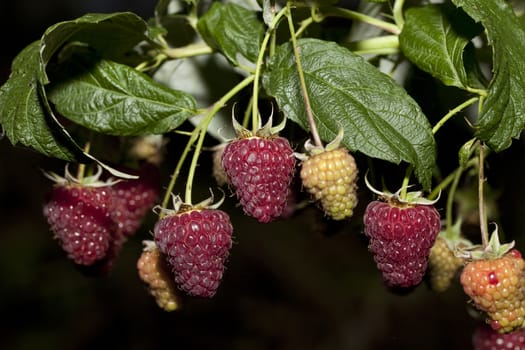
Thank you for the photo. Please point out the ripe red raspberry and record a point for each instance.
(80, 218)
(154, 271)
(330, 176)
(485, 338)
(401, 236)
(133, 199)
(260, 170)
(497, 287)
(197, 243)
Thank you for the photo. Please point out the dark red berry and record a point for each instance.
(260, 170)
(485, 338)
(133, 199)
(400, 239)
(196, 243)
(80, 218)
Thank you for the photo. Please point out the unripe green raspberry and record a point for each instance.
(331, 176)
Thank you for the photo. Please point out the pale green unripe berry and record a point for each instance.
(330, 177)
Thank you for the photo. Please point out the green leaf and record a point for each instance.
(502, 116)
(112, 35)
(115, 99)
(22, 115)
(434, 38)
(378, 117)
(232, 29)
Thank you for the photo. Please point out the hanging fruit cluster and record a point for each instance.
(337, 102)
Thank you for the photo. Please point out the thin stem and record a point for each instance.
(450, 178)
(304, 24)
(176, 172)
(453, 112)
(406, 179)
(450, 199)
(258, 67)
(482, 213)
(194, 161)
(398, 13)
(273, 44)
(304, 90)
(188, 51)
(81, 166)
(387, 44)
(246, 118)
(344, 13)
(203, 125)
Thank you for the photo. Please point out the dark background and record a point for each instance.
(304, 283)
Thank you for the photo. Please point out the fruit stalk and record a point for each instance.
(258, 65)
(202, 125)
(482, 214)
(304, 91)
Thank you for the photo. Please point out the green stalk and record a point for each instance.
(382, 45)
(259, 63)
(481, 196)
(188, 51)
(344, 13)
(198, 133)
(304, 90)
(81, 170)
(406, 179)
(450, 200)
(397, 11)
(453, 112)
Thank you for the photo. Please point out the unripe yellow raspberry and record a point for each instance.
(153, 271)
(443, 265)
(331, 177)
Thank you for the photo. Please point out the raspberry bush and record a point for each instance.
(299, 110)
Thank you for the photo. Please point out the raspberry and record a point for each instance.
(133, 199)
(80, 218)
(401, 236)
(497, 287)
(218, 171)
(330, 176)
(153, 271)
(485, 338)
(197, 243)
(260, 170)
(443, 265)
(104, 266)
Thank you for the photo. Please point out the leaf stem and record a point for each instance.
(482, 214)
(384, 45)
(258, 66)
(397, 11)
(321, 13)
(304, 90)
(453, 112)
(188, 51)
(201, 128)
